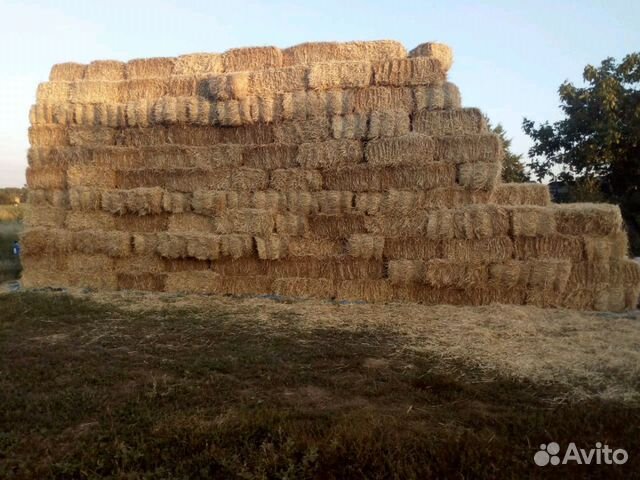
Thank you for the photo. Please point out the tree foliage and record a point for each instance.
(512, 167)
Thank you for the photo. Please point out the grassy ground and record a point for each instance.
(9, 231)
(169, 386)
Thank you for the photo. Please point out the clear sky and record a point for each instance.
(510, 56)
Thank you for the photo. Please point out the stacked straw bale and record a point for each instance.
(326, 170)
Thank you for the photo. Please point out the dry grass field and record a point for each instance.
(141, 385)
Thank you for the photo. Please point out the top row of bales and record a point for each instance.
(246, 59)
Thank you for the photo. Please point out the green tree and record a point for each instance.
(597, 145)
(512, 167)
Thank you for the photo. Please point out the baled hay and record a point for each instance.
(150, 67)
(365, 246)
(44, 216)
(48, 136)
(448, 273)
(480, 221)
(250, 179)
(438, 51)
(97, 91)
(363, 178)
(141, 223)
(245, 220)
(89, 137)
(148, 282)
(548, 246)
(625, 271)
(144, 245)
(333, 202)
(251, 58)
(298, 202)
(53, 262)
(590, 274)
(449, 122)
(98, 263)
(604, 249)
(305, 287)
(315, 130)
(588, 218)
(44, 277)
(368, 203)
(370, 99)
(254, 285)
(202, 282)
(176, 202)
(496, 249)
(179, 179)
(139, 263)
(114, 244)
(331, 154)
(139, 201)
(91, 280)
(53, 198)
(203, 247)
(310, 247)
(412, 248)
(521, 194)
(343, 74)
(91, 176)
(45, 240)
(336, 226)
(534, 274)
(430, 97)
(270, 157)
(479, 176)
(105, 70)
(419, 149)
(89, 220)
(374, 291)
(199, 64)
(399, 225)
(212, 202)
(409, 71)
(316, 52)
(46, 179)
(339, 268)
(532, 221)
(172, 245)
(291, 224)
(271, 247)
(510, 274)
(377, 124)
(262, 83)
(85, 199)
(54, 92)
(269, 200)
(67, 72)
(296, 179)
(190, 222)
(404, 202)
(236, 246)
(403, 272)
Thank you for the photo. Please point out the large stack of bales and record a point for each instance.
(329, 170)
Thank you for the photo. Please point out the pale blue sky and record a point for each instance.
(510, 57)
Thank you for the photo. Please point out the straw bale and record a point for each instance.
(363, 178)
(532, 221)
(251, 58)
(144, 245)
(271, 247)
(47, 178)
(48, 136)
(172, 245)
(339, 74)
(315, 130)
(179, 179)
(374, 291)
(449, 122)
(114, 244)
(176, 202)
(298, 202)
(377, 124)
(270, 157)
(479, 176)
(368, 203)
(249, 179)
(430, 97)
(139, 113)
(269, 200)
(54, 92)
(85, 198)
(185, 265)
(52, 262)
(236, 246)
(191, 222)
(453, 273)
(271, 81)
(202, 282)
(521, 194)
(412, 248)
(91, 136)
(336, 226)
(105, 70)
(331, 154)
(150, 282)
(96, 91)
(91, 280)
(548, 246)
(332, 202)
(67, 72)
(40, 114)
(315, 52)
(351, 126)
(310, 247)
(147, 262)
(480, 221)
(625, 271)
(53, 198)
(409, 71)
(90, 176)
(588, 218)
(438, 51)
(44, 216)
(550, 274)
(496, 249)
(404, 202)
(245, 220)
(139, 201)
(203, 247)
(291, 224)
(245, 285)
(150, 67)
(371, 99)
(397, 225)
(402, 272)
(510, 274)
(418, 149)
(89, 220)
(36, 240)
(604, 249)
(365, 246)
(305, 287)
(199, 64)
(295, 179)
(590, 273)
(138, 223)
(98, 263)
